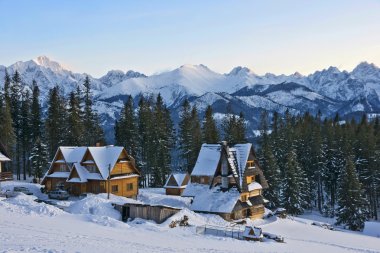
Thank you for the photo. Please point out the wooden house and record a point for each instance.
(176, 183)
(93, 170)
(4, 175)
(228, 181)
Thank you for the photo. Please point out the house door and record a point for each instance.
(125, 213)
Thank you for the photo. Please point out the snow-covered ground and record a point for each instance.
(92, 225)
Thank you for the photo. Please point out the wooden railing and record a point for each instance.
(5, 176)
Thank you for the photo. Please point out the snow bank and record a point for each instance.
(372, 228)
(33, 188)
(197, 219)
(95, 205)
(25, 204)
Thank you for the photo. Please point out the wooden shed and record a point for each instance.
(176, 183)
(156, 213)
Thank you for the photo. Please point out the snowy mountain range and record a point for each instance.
(329, 90)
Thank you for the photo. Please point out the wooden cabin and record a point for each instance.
(228, 181)
(4, 175)
(176, 183)
(93, 170)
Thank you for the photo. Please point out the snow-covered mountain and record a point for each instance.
(329, 90)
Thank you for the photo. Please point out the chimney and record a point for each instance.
(224, 169)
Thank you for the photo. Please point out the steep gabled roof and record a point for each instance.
(83, 173)
(73, 154)
(104, 157)
(178, 180)
(4, 158)
(208, 160)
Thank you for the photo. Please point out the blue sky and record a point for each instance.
(280, 36)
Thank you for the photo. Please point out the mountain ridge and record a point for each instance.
(329, 90)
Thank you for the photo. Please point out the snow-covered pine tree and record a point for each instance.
(25, 132)
(39, 159)
(294, 190)
(162, 141)
(55, 122)
(352, 206)
(210, 133)
(184, 136)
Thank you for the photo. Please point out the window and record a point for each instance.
(62, 167)
(244, 198)
(250, 179)
(91, 168)
(114, 188)
(250, 163)
(129, 186)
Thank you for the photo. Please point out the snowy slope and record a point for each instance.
(92, 225)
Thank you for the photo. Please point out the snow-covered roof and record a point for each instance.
(3, 158)
(194, 189)
(59, 174)
(84, 174)
(254, 186)
(242, 154)
(104, 157)
(215, 201)
(73, 154)
(208, 160)
(179, 178)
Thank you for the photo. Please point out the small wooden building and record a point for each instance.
(4, 175)
(157, 213)
(176, 183)
(93, 170)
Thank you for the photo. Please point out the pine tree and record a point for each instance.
(185, 135)
(7, 133)
(55, 122)
(210, 133)
(162, 141)
(352, 206)
(74, 128)
(293, 192)
(145, 140)
(39, 159)
(36, 120)
(15, 106)
(25, 132)
(93, 132)
(127, 128)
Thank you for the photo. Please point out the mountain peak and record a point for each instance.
(239, 70)
(44, 61)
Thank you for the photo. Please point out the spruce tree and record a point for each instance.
(36, 120)
(75, 131)
(293, 192)
(39, 159)
(352, 206)
(7, 133)
(25, 133)
(210, 133)
(127, 128)
(185, 135)
(15, 102)
(55, 122)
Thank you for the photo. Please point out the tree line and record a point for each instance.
(327, 164)
(31, 138)
(148, 133)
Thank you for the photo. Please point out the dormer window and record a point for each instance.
(62, 167)
(91, 168)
